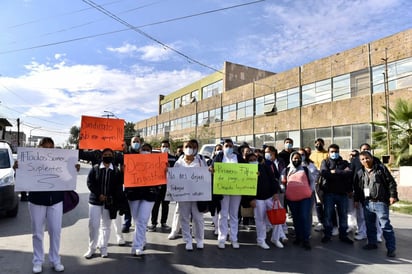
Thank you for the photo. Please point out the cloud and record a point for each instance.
(149, 53)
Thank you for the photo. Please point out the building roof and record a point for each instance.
(5, 123)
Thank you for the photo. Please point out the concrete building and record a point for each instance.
(335, 98)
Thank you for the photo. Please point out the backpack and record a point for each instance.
(295, 190)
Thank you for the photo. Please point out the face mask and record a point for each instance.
(334, 155)
(188, 151)
(164, 149)
(108, 159)
(288, 146)
(296, 163)
(319, 147)
(268, 156)
(253, 162)
(228, 151)
(144, 152)
(135, 146)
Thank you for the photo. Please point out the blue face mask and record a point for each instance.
(268, 156)
(228, 151)
(288, 146)
(135, 146)
(334, 155)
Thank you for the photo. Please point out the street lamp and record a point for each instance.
(109, 114)
(30, 138)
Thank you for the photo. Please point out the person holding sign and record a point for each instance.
(105, 184)
(266, 195)
(230, 203)
(141, 201)
(189, 209)
(46, 207)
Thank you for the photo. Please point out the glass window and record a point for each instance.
(229, 112)
(361, 134)
(342, 137)
(186, 99)
(308, 94)
(195, 94)
(293, 98)
(177, 103)
(316, 93)
(262, 101)
(341, 87)
(282, 100)
(308, 137)
(212, 89)
(244, 109)
(359, 82)
(166, 107)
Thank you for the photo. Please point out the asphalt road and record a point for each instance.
(170, 256)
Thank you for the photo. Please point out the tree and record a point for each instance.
(129, 132)
(74, 135)
(400, 132)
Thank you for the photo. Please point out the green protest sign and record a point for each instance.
(235, 179)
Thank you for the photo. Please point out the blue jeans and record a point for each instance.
(301, 215)
(330, 200)
(380, 210)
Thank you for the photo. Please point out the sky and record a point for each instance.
(62, 59)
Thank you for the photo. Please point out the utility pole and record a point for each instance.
(18, 132)
(386, 84)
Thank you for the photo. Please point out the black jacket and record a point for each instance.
(46, 198)
(381, 184)
(339, 182)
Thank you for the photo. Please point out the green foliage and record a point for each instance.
(74, 135)
(400, 128)
(402, 207)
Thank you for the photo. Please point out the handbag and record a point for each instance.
(276, 216)
(70, 200)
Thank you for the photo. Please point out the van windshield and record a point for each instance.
(4, 158)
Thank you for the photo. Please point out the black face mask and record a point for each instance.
(319, 147)
(296, 163)
(108, 160)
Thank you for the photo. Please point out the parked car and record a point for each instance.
(9, 201)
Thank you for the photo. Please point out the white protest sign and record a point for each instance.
(189, 184)
(46, 169)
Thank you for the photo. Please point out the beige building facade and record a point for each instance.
(335, 98)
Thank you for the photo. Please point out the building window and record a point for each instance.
(186, 99)
(261, 102)
(316, 93)
(212, 89)
(245, 109)
(178, 103)
(166, 107)
(361, 134)
(359, 82)
(342, 137)
(194, 95)
(229, 112)
(341, 87)
(399, 75)
(282, 100)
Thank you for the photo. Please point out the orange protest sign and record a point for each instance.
(100, 133)
(145, 169)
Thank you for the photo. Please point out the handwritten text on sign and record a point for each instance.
(188, 184)
(145, 169)
(100, 133)
(235, 179)
(46, 169)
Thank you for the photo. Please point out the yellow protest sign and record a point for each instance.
(235, 179)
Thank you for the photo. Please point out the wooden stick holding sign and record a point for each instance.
(188, 184)
(46, 169)
(145, 169)
(235, 179)
(101, 133)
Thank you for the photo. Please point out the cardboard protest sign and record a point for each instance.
(46, 169)
(100, 133)
(145, 169)
(235, 179)
(189, 184)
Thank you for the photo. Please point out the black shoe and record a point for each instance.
(391, 254)
(346, 240)
(370, 246)
(125, 229)
(165, 226)
(306, 245)
(325, 239)
(151, 228)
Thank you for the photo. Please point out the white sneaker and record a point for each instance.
(58, 267)
(359, 237)
(138, 252)
(263, 245)
(121, 242)
(235, 245)
(278, 244)
(172, 236)
(89, 254)
(199, 245)
(379, 239)
(221, 244)
(103, 252)
(189, 246)
(318, 227)
(37, 268)
(335, 231)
